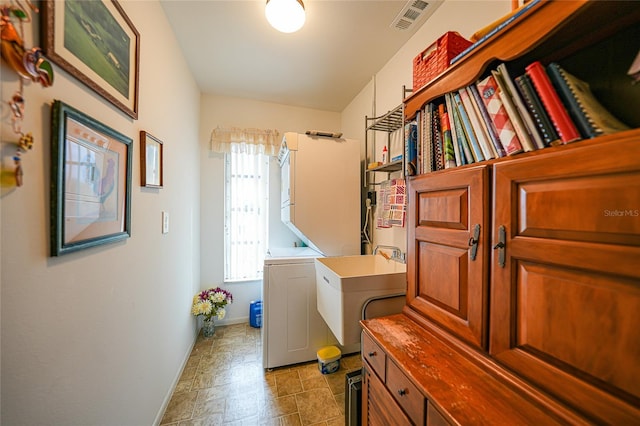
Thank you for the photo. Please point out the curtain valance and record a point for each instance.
(267, 141)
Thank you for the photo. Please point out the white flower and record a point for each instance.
(221, 313)
(218, 297)
(203, 307)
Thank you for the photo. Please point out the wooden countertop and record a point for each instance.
(465, 389)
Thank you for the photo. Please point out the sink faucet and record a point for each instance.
(396, 253)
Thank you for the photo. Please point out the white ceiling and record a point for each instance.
(232, 51)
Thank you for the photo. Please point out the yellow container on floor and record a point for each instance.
(329, 359)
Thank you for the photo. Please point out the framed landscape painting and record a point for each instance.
(90, 182)
(96, 43)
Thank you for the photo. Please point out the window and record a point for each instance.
(246, 212)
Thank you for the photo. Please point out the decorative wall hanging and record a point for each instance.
(151, 159)
(96, 43)
(90, 182)
(25, 142)
(29, 64)
(393, 194)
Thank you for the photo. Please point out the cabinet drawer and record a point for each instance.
(382, 410)
(407, 395)
(434, 418)
(372, 353)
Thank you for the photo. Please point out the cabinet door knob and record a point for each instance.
(473, 242)
(402, 392)
(501, 245)
(372, 354)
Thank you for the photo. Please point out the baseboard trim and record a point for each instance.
(233, 321)
(176, 379)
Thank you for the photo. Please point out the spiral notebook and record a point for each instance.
(589, 115)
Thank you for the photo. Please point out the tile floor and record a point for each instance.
(224, 383)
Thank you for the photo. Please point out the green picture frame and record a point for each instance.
(90, 182)
(97, 43)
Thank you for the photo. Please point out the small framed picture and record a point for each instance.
(90, 182)
(150, 160)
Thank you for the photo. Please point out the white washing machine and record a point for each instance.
(292, 328)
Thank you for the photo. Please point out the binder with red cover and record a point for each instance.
(552, 103)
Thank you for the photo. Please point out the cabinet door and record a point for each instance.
(447, 269)
(564, 307)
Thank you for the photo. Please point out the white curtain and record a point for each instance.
(246, 211)
(267, 141)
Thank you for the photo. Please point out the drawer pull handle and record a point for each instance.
(372, 354)
(402, 392)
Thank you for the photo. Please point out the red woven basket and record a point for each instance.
(435, 58)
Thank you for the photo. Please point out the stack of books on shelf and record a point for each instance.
(502, 115)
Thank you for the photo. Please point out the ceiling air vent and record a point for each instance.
(412, 12)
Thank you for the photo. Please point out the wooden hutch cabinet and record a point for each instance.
(523, 273)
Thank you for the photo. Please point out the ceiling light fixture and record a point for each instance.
(286, 16)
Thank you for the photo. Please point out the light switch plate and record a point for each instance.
(165, 222)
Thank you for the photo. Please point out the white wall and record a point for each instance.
(466, 17)
(99, 337)
(235, 112)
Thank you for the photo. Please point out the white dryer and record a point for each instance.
(292, 328)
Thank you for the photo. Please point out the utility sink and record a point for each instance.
(345, 283)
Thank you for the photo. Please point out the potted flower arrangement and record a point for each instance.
(210, 303)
